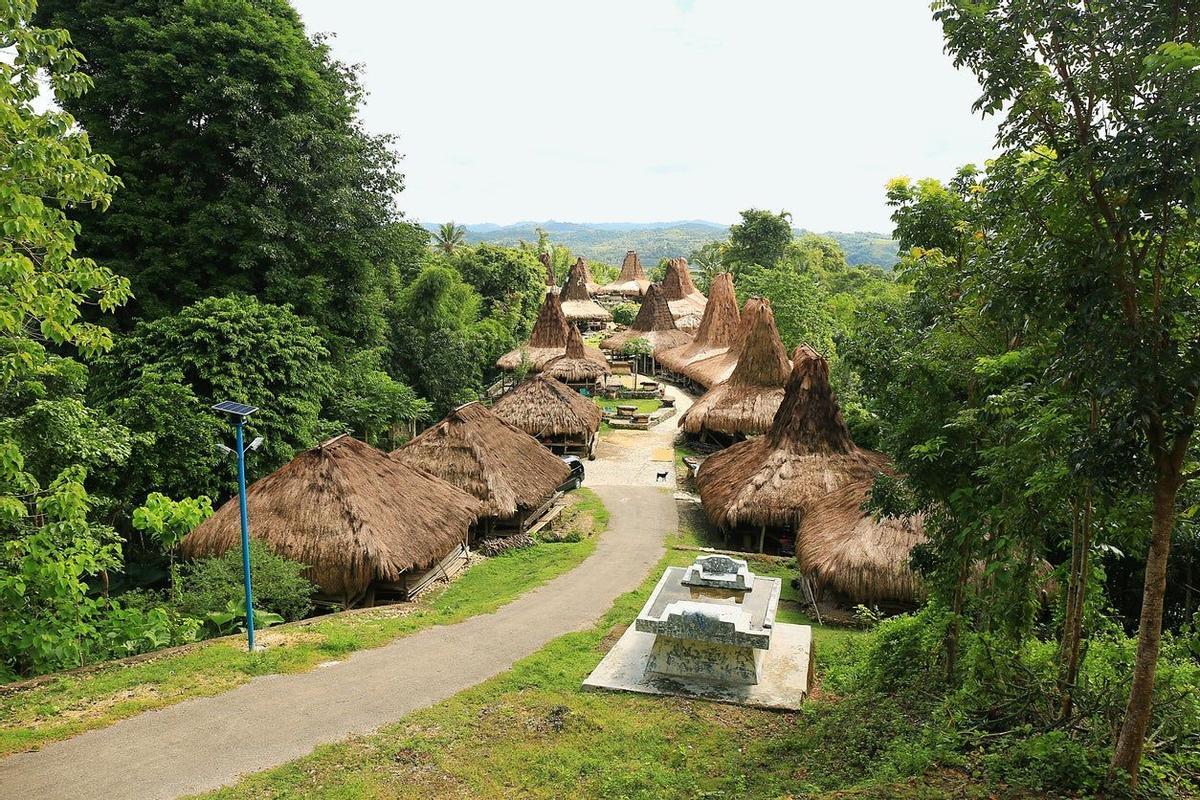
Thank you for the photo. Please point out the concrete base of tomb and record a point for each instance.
(784, 674)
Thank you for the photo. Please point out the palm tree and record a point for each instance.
(708, 260)
(449, 237)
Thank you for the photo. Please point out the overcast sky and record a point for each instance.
(655, 110)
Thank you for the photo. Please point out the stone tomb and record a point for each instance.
(709, 631)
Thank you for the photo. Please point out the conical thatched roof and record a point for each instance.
(867, 560)
(542, 406)
(578, 364)
(547, 340)
(653, 323)
(551, 281)
(577, 303)
(682, 295)
(632, 282)
(717, 330)
(488, 458)
(746, 403)
(807, 453)
(349, 512)
(712, 370)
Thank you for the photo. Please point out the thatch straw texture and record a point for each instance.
(577, 303)
(710, 371)
(544, 407)
(547, 340)
(551, 281)
(349, 512)
(579, 364)
(716, 332)
(653, 323)
(865, 559)
(806, 454)
(473, 449)
(684, 299)
(746, 403)
(632, 282)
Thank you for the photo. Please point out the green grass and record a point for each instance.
(73, 704)
(533, 733)
(646, 406)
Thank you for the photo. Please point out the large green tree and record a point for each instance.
(761, 239)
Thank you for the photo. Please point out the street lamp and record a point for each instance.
(239, 412)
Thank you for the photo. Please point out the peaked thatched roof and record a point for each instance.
(632, 282)
(865, 559)
(488, 458)
(349, 512)
(653, 323)
(717, 330)
(712, 370)
(579, 363)
(746, 403)
(682, 295)
(577, 303)
(547, 340)
(806, 454)
(551, 281)
(543, 406)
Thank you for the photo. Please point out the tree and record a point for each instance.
(798, 303)
(449, 237)
(708, 261)
(245, 166)
(1100, 150)
(505, 277)
(759, 239)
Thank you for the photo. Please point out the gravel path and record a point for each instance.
(628, 458)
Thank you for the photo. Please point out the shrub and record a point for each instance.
(623, 313)
(280, 585)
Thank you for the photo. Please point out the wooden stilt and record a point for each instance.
(762, 536)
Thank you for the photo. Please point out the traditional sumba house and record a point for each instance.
(580, 367)
(364, 524)
(745, 404)
(760, 490)
(547, 340)
(653, 323)
(632, 282)
(553, 413)
(577, 303)
(503, 466)
(551, 281)
(708, 372)
(685, 300)
(717, 330)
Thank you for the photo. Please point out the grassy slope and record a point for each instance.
(77, 703)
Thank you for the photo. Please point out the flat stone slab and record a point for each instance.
(784, 679)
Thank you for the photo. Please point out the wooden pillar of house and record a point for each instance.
(762, 537)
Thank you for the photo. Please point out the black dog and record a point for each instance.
(660, 476)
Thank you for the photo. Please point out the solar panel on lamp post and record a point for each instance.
(239, 412)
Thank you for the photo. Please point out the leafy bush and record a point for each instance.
(624, 313)
(211, 584)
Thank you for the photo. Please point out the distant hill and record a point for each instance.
(608, 241)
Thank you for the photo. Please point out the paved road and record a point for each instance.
(206, 743)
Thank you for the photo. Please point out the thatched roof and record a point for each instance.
(712, 370)
(551, 281)
(682, 295)
(547, 340)
(806, 454)
(542, 406)
(746, 403)
(579, 363)
(349, 512)
(867, 560)
(577, 303)
(632, 282)
(653, 323)
(716, 332)
(488, 458)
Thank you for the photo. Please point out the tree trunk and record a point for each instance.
(1081, 543)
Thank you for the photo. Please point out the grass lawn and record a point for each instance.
(533, 733)
(73, 704)
(646, 406)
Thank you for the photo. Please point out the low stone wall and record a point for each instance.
(627, 423)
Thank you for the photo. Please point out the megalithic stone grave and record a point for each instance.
(709, 631)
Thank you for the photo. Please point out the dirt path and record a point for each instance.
(635, 458)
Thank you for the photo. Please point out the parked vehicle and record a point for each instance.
(576, 479)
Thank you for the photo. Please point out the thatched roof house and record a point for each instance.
(553, 413)
(866, 560)
(551, 281)
(710, 371)
(632, 282)
(547, 340)
(653, 323)
(577, 302)
(717, 330)
(745, 404)
(685, 300)
(349, 512)
(774, 479)
(579, 365)
(488, 458)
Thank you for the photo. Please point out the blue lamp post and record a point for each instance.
(239, 412)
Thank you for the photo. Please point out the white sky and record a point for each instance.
(653, 110)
